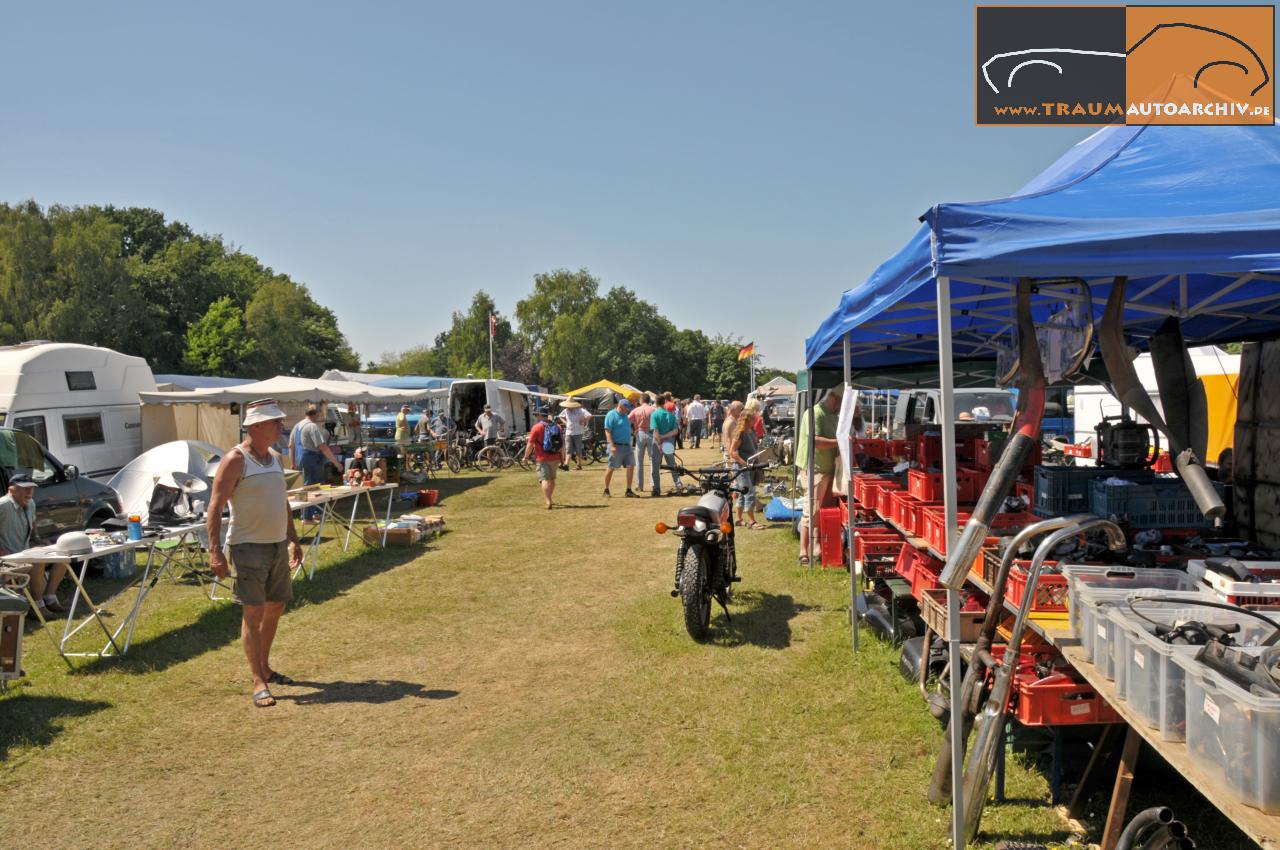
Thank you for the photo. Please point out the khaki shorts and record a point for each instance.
(547, 470)
(261, 573)
(821, 492)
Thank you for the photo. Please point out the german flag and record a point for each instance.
(746, 351)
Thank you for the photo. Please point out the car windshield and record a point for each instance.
(980, 407)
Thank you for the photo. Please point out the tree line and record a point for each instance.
(127, 279)
(567, 334)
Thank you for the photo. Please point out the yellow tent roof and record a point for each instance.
(603, 384)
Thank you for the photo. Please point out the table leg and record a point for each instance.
(1120, 795)
(143, 590)
(351, 521)
(95, 615)
(386, 522)
(325, 511)
(1093, 772)
(44, 625)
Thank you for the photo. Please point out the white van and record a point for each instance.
(80, 402)
(988, 405)
(508, 399)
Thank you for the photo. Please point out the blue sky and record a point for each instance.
(738, 164)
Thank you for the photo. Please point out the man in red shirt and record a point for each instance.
(644, 440)
(548, 461)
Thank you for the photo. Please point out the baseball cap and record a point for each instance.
(262, 410)
(625, 402)
(21, 479)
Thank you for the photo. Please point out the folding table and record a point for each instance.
(327, 501)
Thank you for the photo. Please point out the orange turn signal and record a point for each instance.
(661, 528)
(726, 527)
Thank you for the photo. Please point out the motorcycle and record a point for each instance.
(706, 563)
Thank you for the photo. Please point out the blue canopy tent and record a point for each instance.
(1191, 215)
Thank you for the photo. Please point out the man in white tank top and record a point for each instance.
(261, 538)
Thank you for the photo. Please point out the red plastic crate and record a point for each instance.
(1050, 594)
(924, 573)
(912, 515)
(899, 449)
(884, 500)
(1163, 463)
(902, 506)
(830, 530)
(875, 543)
(906, 559)
(871, 447)
(925, 486)
(865, 490)
(1060, 700)
(1084, 449)
(934, 523)
(969, 483)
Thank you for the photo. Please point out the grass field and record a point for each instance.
(525, 681)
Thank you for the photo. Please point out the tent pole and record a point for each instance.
(854, 574)
(946, 381)
(808, 493)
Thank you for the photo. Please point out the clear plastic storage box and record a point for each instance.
(1154, 686)
(1081, 577)
(1233, 734)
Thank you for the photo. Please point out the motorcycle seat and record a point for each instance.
(703, 513)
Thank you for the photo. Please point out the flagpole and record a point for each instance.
(753, 367)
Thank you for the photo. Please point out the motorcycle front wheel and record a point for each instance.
(694, 596)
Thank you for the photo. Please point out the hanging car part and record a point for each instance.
(1129, 391)
(1024, 436)
(1124, 443)
(1182, 396)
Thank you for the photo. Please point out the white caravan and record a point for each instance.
(80, 402)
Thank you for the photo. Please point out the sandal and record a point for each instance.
(757, 526)
(263, 699)
(278, 678)
(740, 524)
(803, 560)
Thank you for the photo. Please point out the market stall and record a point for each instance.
(1165, 223)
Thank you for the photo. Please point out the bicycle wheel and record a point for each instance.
(452, 461)
(492, 459)
(598, 452)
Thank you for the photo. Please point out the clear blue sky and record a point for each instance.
(738, 164)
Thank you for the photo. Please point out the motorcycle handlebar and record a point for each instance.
(722, 470)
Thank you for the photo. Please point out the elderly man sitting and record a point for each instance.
(17, 532)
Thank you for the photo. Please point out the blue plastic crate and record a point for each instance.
(1164, 503)
(1065, 490)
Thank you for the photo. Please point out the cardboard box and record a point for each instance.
(395, 536)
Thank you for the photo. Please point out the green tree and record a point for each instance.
(764, 376)
(293, 335)
(218, 343)
(418, 360)
(463, 349)
(727, 376)
(557, 293)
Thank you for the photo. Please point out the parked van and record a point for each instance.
(464, 403)
(79, 402)
(982, 405)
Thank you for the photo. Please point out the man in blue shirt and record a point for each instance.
(617, 432)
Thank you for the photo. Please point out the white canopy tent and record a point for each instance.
(213, 414)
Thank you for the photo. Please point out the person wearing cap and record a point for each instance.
(825, 421)
(665, 427)
(548, 461)
(617, 432)
(575, 421)
(17, 532)
(315, 451)
(261, 539)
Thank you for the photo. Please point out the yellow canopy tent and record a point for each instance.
(604, 384)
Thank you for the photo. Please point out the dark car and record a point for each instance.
(64, 501)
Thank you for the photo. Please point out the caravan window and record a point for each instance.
(81, 381)
(83, 430)
(33, 425)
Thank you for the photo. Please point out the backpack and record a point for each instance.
(552, 438)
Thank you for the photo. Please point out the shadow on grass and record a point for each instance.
(759, 619)
(372, 691)
(562, 506)
(35, 721)
(219, 624)
(452, 485)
